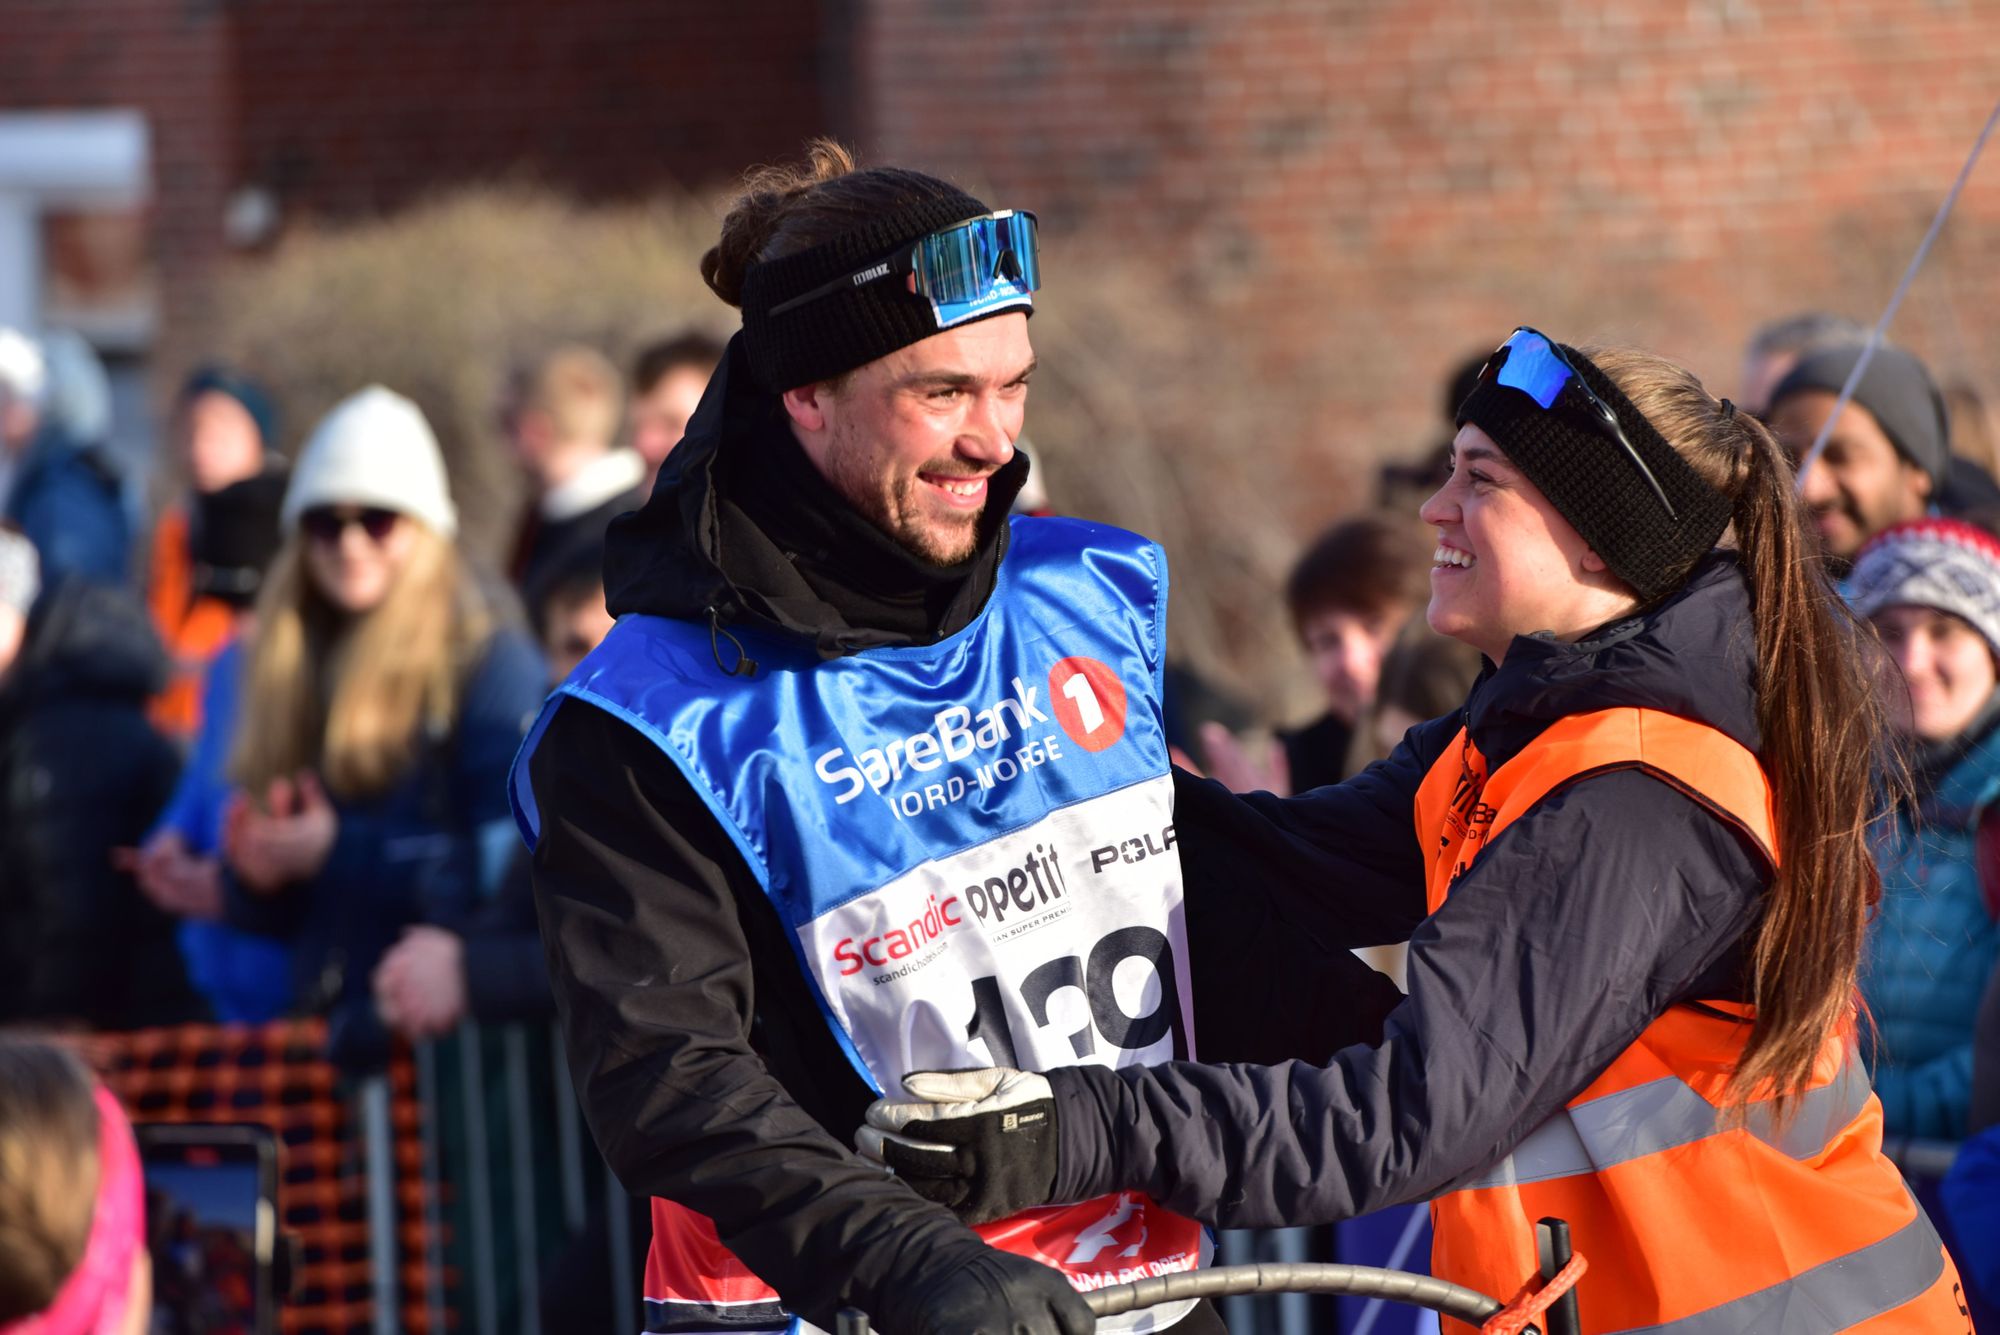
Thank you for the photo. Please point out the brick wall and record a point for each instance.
(1338, 200)
(353, 105)
(1363, 192)
(346, 107)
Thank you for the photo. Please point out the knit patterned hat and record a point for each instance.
(832, 335)
(1947, 565)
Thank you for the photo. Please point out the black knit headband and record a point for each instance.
(1596, 487)
(850, 327)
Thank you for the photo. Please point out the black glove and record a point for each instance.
(991, 1293)
(980, 1143)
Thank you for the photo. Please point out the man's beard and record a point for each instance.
(896, 511)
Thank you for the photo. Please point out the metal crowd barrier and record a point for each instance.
(515, 1245)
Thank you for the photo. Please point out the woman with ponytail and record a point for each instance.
(1634, 873)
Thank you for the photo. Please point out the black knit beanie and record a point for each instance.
(852, 326)
(1599, 490)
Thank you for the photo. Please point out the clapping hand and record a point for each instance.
(175, 880)
(285, 839)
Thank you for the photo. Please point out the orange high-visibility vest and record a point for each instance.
(1692, 1223)
(194, 630)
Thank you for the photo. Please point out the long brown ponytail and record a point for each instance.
(1824, 742)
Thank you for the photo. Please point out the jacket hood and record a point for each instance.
(1693, 655)
(693, 554)
(84, 639)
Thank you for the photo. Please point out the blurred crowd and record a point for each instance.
(253, 762)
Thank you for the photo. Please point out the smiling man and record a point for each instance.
(1887, 458)
(865, 781)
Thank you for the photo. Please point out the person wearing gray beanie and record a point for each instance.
(1888, 456)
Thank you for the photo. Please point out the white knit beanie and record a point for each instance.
(373, 449)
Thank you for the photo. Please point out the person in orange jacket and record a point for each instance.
(226, 430)
(1635, 875)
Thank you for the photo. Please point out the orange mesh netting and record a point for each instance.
(275, 1075)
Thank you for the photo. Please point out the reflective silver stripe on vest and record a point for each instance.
(1661, 1114)
(1834, 1295)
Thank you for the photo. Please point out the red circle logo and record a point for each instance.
(1089, 701)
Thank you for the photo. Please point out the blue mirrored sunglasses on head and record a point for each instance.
(968, 269)
(1531, 363)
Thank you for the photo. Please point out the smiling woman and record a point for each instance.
(343, 784)
(1507, 562)
(1932, 588)
(1634, 877)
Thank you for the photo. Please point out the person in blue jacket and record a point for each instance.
(246, 978)
(62, 493)
(1932, 589)
(377, 703)
(1971, 1191)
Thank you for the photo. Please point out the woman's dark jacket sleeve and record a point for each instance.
(1579, 924)
(1340, 862)
(651, 921)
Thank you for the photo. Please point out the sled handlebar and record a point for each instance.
(1353, 1281)
(1356, 1281)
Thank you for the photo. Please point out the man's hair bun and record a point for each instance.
(766, 202)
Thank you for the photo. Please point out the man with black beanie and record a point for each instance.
(1889, 456)
(868, 780)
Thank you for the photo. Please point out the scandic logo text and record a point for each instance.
(1032, 883)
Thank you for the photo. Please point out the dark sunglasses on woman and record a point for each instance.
(328, 524)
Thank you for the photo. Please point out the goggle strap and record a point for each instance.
(859, 278)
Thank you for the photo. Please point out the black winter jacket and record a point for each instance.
(695, 1041)
(1579, 924)
(82, 772)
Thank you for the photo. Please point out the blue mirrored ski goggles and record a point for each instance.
(1530, 362)
(969, 269)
